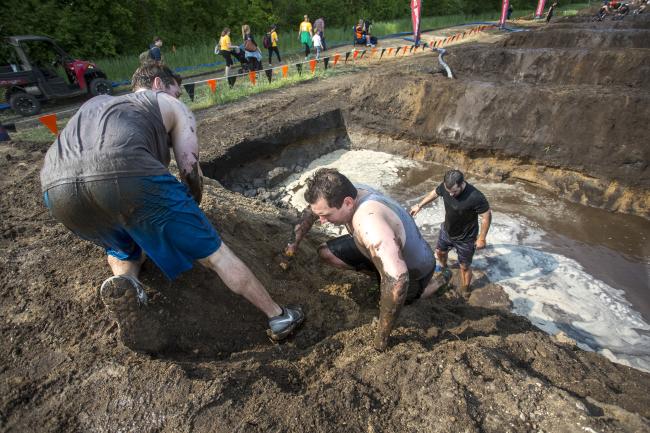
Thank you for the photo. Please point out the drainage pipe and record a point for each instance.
(441, 53)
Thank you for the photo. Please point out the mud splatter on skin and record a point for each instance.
(307, 220)
(393, 294)
(194, 180)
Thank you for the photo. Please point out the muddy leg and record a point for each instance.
(466, 279)
(239, 279)
(328, 257)
(126, 267)
(439, 281)
(442, 258)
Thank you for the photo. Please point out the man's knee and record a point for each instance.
(465, 267)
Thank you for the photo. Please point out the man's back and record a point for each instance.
(417, 252)
(110, 137)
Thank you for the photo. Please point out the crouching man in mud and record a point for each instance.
(106, 179)
(383, 237)
(463, 205)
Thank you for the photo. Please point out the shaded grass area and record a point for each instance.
(202, 53)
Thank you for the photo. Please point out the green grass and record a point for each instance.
(122, 67)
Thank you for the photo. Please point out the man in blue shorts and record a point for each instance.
(463, 204)
(106, 179)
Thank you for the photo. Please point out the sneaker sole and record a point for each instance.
(137, 329)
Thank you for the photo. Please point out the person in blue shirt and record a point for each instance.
(154, 49)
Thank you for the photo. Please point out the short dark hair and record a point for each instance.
(156, 39)
(143, 76)
(453, 178)
(329, 184)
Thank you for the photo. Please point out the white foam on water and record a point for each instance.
(553, 291)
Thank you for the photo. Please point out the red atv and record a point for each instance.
(34, 69)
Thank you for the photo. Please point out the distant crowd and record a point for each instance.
(249, 55)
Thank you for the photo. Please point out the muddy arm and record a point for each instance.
(385, 249)
(307, 220)
(393, 294)
(186, 148)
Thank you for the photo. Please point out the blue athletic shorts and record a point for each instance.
(464, 249)
(127, 215)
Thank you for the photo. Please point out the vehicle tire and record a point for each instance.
(101, 86)
(25, 104)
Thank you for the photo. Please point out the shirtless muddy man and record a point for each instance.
(382, 237)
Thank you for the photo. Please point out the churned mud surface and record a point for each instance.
(452, 365)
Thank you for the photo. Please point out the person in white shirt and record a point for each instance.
(318, 44)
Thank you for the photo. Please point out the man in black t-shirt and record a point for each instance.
(463, 205)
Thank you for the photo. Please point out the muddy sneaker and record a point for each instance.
(284, 324)
(126, 300)
(444, 277)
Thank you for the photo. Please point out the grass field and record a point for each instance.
(202, 53)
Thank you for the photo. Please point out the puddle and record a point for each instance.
(565, 266)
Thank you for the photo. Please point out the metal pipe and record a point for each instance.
(441, 53)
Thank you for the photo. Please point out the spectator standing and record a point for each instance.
(305, 35)
(154, 49)
(225, 49)
(251, 51)
(273, 35)
(319, 27)
(318, 46)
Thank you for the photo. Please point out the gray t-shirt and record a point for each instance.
(110, 137)
(418, 254)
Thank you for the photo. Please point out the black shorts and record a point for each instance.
(465, 249)
(226, 55)
(346, 250)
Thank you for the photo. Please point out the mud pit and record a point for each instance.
(451, 365)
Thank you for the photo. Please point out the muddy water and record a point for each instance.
(565, 266)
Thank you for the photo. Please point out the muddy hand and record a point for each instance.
(415, 209)
(480, 244)
(285, 258)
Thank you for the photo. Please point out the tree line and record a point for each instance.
(105, 28)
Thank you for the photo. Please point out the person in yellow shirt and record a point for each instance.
(305, 35)
(273, 34)
(225, 48)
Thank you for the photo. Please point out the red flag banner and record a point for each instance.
(373, 52)
(504, 13)
(416, 6)
(312, 65)
(336, 58)
(49, 120)
(390, 50)
(404, 50)
(355, 54)
(285, 71)
(213, 85)
(252, 75)
(540, 9)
